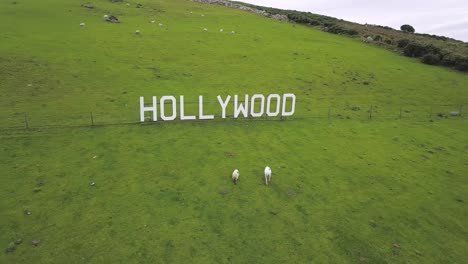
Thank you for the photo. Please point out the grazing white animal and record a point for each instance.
(161, 25)
(221, 30)
(233, 32)
(368, 39)
(128, 4)
(267, 175)
(202, 15)
(82, 24)
(153, 21)
(137, 32)
(105, 17)
(235, 176)
(205, 29)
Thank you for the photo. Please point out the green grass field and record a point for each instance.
(385, 190)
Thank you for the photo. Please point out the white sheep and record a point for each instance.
(82, 24)
(221, 30)
(153, 21)
(233, 32)
(137, 32)
(205, 29)
(161, 25)
(267, 175)
(235, 176)
(105, 17)
(128, 4)
(368, 39)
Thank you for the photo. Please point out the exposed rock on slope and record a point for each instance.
(245, 8)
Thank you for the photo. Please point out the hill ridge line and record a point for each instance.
(245, 8)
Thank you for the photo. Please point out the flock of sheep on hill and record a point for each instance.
(138, 32)
(236, 175)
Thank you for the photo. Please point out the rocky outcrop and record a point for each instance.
(245, 8)
(280, 17)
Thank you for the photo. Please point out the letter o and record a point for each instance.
(252, 105)
(278, 104)
(174, 108)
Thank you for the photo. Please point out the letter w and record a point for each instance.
(238, 108)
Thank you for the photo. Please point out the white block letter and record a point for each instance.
(182, 111)
(201, 116)
(224, 104)
(252, 105)
(293, 106)
(174, 107)
(144, 109)
(238, 108)
(278, 104)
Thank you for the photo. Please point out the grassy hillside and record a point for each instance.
(355, 190)
(430, 49)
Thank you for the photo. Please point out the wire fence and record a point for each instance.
(33, 120)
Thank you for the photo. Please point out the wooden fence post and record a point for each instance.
(26, 123)
(92, 119)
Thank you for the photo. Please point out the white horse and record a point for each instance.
(267, 175)
(235, 176)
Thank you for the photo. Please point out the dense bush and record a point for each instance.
(448, 60)
(314, 23)
(461, 64)
(407, 28)
(401, 43)
(417, 50)
(301, 19)
(414, 50)
(430, 58)
(377, 38)
(384, 27)
(335, 29)
(443, 38)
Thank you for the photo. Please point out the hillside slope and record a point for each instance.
(430, 49)
(346, 188)
(179, 58)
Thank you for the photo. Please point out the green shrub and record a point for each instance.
(455, 61)
(407, 28)
(448, 60)
(417, 50)
(402, 43)
(430, 58)
(414, 50)
(335, 29)
(461, 64)
(314, 23)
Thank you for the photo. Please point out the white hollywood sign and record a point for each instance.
(279, 102)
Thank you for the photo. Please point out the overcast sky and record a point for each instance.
(447, 18)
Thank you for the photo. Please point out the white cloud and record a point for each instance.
(448, 18)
